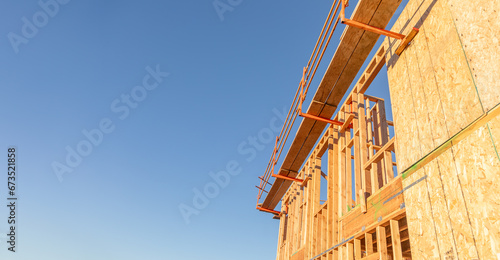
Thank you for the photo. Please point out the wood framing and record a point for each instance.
(424, 185)
(348, 59)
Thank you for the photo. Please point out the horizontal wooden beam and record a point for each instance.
(347, 123)
(389, 146)
(373, 99)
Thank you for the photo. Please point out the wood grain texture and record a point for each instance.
(332, 191)
(396, 240)
(422, 60)
(423, 240)
(456, 206)
(455, 84)
(478, 169)
(378, 208)
(405, 119)
(440, 213)
(381, 243)
(299, 255)
(494, 128)
(438, 97)
(477, 24)
(415, 86)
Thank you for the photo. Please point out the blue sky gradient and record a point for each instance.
(228, 83)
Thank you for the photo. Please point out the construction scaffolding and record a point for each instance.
(425, 186)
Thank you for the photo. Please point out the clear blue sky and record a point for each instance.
(77, 67)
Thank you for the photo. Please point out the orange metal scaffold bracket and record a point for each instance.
(286, 178)
(326, 120)
(405, 39)
(269, 210)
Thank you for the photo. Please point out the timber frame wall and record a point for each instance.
(359, 159)
(442, 202)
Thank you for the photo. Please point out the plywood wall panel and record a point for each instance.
(438, 97)
(478, 169)
(456, 87)
(440, 214)
(415, 88)
(452, 78)
(420, 48)
(456, 207)
(405, 119)
(494, 128)
(463, 185)
(423, 240)
(478, 23)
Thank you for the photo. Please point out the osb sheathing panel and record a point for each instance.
(456, 87)
(432, 132)
(440, 214)
(439, 93)
(405, 120)
(421, 59)
(494, 126)
(415, 88)
(478, 168)
(478, 24)
(432, 90)
(421, 228)
(456, 207)
(463, 187)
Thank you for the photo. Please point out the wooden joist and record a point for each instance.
(347, 122)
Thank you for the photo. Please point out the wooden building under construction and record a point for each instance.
(423, 186)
